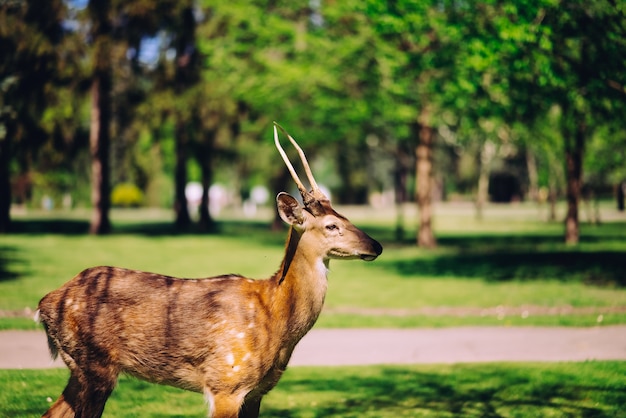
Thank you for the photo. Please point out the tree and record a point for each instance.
(542, 54)
(569, 54)
(29, 35)
(589, 55)
(426, 46)
(604, 163)
(99, 12)
(185, 76)
(565, 54)
(425, 133)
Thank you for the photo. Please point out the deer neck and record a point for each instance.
(301, 283)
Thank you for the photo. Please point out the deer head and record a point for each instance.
(336, 236)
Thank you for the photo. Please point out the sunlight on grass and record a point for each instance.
(477, 390)
(510, 259)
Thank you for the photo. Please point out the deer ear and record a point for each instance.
(289, 209)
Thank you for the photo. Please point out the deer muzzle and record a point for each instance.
(374, 252)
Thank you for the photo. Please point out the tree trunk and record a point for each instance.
(183, 220)
(555, 182)
(621, 191)
(186, 74)
(99, 134)
(400, 188)
(482, 192)
(533, 176)
(345, 193)
(205, 159)
(99, 144)
(487, 154)
(206, 222)
(552, 196)
(424, 182)
(574, 146)
(279, 184)
(5, 182)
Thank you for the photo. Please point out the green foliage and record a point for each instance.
(471, 390)
(606, 153)
(347, 78)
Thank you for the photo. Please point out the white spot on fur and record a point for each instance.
(246, 357)
(230, 359)
(37, 317)
(241, 335)
(251, 325)
(68, 302)
(236, 368)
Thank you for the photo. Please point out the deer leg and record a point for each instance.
(86, 392)
(98, 383)
(226, 405)
(64, 407)
(94, 400)
(250, 408)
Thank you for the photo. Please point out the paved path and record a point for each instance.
(334, 347)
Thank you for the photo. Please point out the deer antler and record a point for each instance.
(306, 196)
(316, 193)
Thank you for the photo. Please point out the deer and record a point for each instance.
(228, 337)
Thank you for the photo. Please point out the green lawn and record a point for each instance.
(508, 269)
(511, 268)
(589, 389)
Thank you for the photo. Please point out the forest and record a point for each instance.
(123, 103)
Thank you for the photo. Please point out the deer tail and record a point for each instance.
(54, 351)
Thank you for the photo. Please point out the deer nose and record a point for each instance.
(378, 249)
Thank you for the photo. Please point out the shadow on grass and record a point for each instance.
(255, 231)
(50, 226)
(524, 256)
(8, 259)
(479, 392)
(491, 257)
(248, 229)
(599, 268)
(588, 389)
(495, 241)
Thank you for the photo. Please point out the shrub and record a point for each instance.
(126, 195)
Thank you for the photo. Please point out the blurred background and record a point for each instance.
(169, 104)
(483, 143)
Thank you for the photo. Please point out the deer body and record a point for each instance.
(228, 337)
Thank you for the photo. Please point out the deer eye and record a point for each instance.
(331, 227)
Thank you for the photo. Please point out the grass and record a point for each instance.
(511, 260)
(589, 389)
(510, 269)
